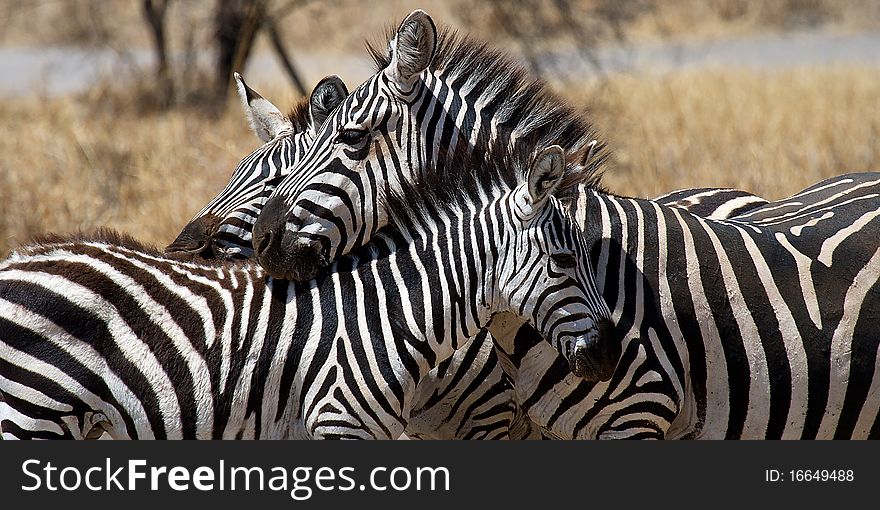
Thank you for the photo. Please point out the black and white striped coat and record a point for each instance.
(468, 396)
(734, 294)
(107, 336)
(740, 328)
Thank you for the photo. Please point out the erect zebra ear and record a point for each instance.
(412, 48)
(265, 119)
(544, 176)
(326, 96)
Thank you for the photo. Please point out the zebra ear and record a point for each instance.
(412, 48)
(326, 96)
(265, 119)
(544, 176)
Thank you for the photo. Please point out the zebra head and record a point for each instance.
(331, 205)
(545, 277)
(434, 92)
(223, 227)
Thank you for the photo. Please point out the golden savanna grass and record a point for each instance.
(66, 165)
(80, 163)
(769, 132)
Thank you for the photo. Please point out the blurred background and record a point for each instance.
(120, 113)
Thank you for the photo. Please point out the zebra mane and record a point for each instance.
(439, 193)
(524, 107)
(300, 116)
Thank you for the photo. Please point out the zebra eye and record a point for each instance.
(352, 136)
(564, 260)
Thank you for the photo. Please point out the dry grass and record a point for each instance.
(66, 165)
(69, 164)
(771, 133)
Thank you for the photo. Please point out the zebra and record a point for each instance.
(467, 396)
(102, 334)
(745, 327)
(223, 227)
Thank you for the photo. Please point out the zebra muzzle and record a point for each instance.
(196, 237)
(595, 358)
(285, 254)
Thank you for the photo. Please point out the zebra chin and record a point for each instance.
(594, 358)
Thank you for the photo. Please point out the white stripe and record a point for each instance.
(717, 389)
(806, 278)
(841, 352)
(29, 423)
(32, 395)
(826, 254)
(725, 210)
(791, 340)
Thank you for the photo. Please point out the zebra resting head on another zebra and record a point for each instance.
(395, 127)
(462, 398)
(103, 334)
(745, 325)
(466, 397)
(434, 92)
(223, 227)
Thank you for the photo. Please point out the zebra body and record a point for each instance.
(741, 327)
(107, 336)
(764, 336)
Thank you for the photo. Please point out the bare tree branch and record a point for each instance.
(154, 13)
(236, 23)
(278, 45)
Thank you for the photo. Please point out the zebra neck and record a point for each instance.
(650, 263)
(425, 292)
